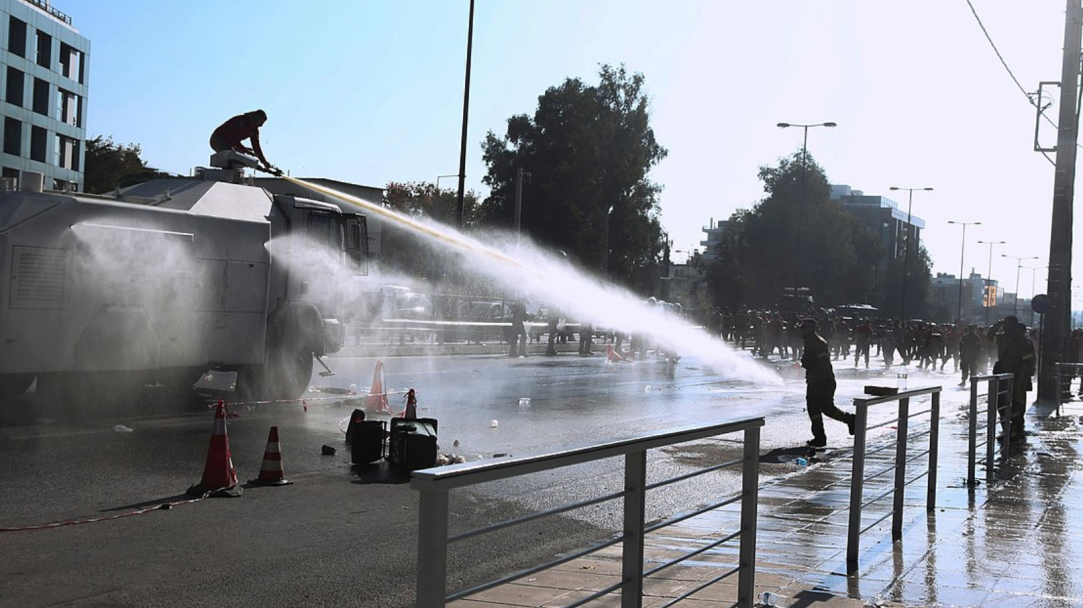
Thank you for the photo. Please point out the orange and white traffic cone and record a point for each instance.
(219, 476)
(612, 356)
(271, 472)
(377, 399)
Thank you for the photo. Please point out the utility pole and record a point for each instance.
(1058, 319)
(466, 119)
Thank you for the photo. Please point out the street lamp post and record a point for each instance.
(605, 241)
(989, 278)
(962, 253)
(906, 252)
(801, 194)
(519, 175)
(1019, 266)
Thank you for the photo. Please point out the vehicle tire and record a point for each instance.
(12, 386)
(176, 386)
(284, 376)
(83, 395)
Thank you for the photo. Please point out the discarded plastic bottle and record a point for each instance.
(801, 462)
(772, 599)
(901, 381)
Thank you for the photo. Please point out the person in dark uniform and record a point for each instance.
(820, 378)
(1016, 357)
(518, 327)
(231, 134)
(969, 351)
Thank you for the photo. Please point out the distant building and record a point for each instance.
(882, 217)
(714, 237)
(944, 296)
(44, 69)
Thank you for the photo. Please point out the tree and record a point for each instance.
(413, 254)
(919, 273)
(756, 255)
(109, 166)
(588, 150)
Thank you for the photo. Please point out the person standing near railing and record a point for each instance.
(820, 390)
(1016, 357)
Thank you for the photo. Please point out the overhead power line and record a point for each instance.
(1030, 97)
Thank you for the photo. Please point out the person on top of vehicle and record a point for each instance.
(230, 135)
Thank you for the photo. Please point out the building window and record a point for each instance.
(16, 80)
(13, 136)
(71, 63)
(10, 176)
(67, 107)
(67, 153)
(38, 139)
(41, 97)
(45, 50)
(17, 36)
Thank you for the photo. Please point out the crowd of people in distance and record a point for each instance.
(971, 350)
(1006, 346)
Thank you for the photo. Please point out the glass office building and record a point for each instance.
(44, 77)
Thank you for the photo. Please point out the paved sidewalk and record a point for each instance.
(1017, 543)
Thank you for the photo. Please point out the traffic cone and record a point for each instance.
(410, 413)
(219, 476)
(270, 472)
(611, 355)
(377, 399)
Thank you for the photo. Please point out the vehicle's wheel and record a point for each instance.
(83, 395)
(284, 376)
(12, 386)
(176, 386)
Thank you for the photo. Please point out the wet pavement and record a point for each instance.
(1015, 543)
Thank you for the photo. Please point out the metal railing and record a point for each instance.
(999, 385)
(857, 483)
(434, 485)
(1066, 371)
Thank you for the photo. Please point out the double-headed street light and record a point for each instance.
(962, 253)
(801, 195)
(989, 278)
(1018, 267)
(906, 252)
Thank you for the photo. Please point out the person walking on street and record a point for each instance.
(1016, 357)
(519, 336)
(969, 351)
(820, 389)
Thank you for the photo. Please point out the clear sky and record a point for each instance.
(371, 91)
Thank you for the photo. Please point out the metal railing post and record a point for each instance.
(432, 548)
(991, 428)
(934, 442)
(1006, 442)
(900, 469)
(972, 438)
(635, 505)
(746, 578)
(1057, 371)
(857, 483)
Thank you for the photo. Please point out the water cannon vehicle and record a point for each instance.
(167, 279)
